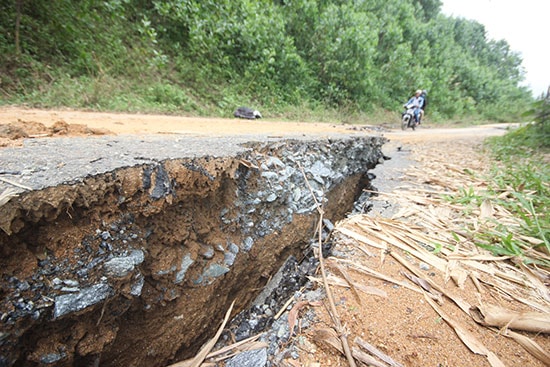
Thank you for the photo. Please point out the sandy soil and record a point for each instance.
(119, 123)
(393, 318)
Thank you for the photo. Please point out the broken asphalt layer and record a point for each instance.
(125, 250)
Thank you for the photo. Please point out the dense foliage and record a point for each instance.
(531, 139)
(208, 56)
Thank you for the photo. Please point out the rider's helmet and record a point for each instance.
(418, 92)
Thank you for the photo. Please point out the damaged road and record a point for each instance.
(125, 250)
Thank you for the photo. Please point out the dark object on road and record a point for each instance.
(247, 113)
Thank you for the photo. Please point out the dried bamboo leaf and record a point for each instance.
(442, 212)
(486, 209)
(372, 290)
(448, 269)
(432, 192)
(377, 352)
(332, 280)
(6, 195)
(419, 281)
(348, 280)
(505, 194)
(541, 288)
(238, 345)
(16, 184)
(405, 213)
(365, 358)
(423, 238)
(328, 337)
(236, 350)
(501, 287)
(475, 279)
(373, 273)
(363, 250)
(285, 306)
(368, 221)
(532, 240)
(252, 346)
(494, 361)
(293, 313)
(491, 270)
(459, 276)
(359, 237)
(206, 348)
(530, 346)
(464, 306)
(466, 337)
(539, 252)
(478, 257)
(415, 250)
(438, 182)
(490, 315)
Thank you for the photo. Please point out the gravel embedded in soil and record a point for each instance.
(158, 240)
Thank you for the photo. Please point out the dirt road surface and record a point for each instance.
(119, 123)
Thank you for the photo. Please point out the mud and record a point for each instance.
(117, 251)
(13, 133)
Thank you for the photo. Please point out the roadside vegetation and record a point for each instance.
(341, 60)
(519, 186)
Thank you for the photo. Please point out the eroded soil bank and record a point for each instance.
(136, 265)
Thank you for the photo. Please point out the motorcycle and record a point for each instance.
(407, 118)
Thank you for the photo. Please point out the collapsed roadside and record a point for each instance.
(411, 287)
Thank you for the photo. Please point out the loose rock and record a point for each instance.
(253, 358)
(87, 297)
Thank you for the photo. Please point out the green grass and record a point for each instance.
(185, 89)
(519, 182)
(189, 98)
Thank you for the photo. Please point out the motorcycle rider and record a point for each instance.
(424, 96)
(416, 102)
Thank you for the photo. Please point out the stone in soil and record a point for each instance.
(253, 358)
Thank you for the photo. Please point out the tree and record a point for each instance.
(430, 8)
(359, 53)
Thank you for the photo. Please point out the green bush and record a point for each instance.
(524, 174)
